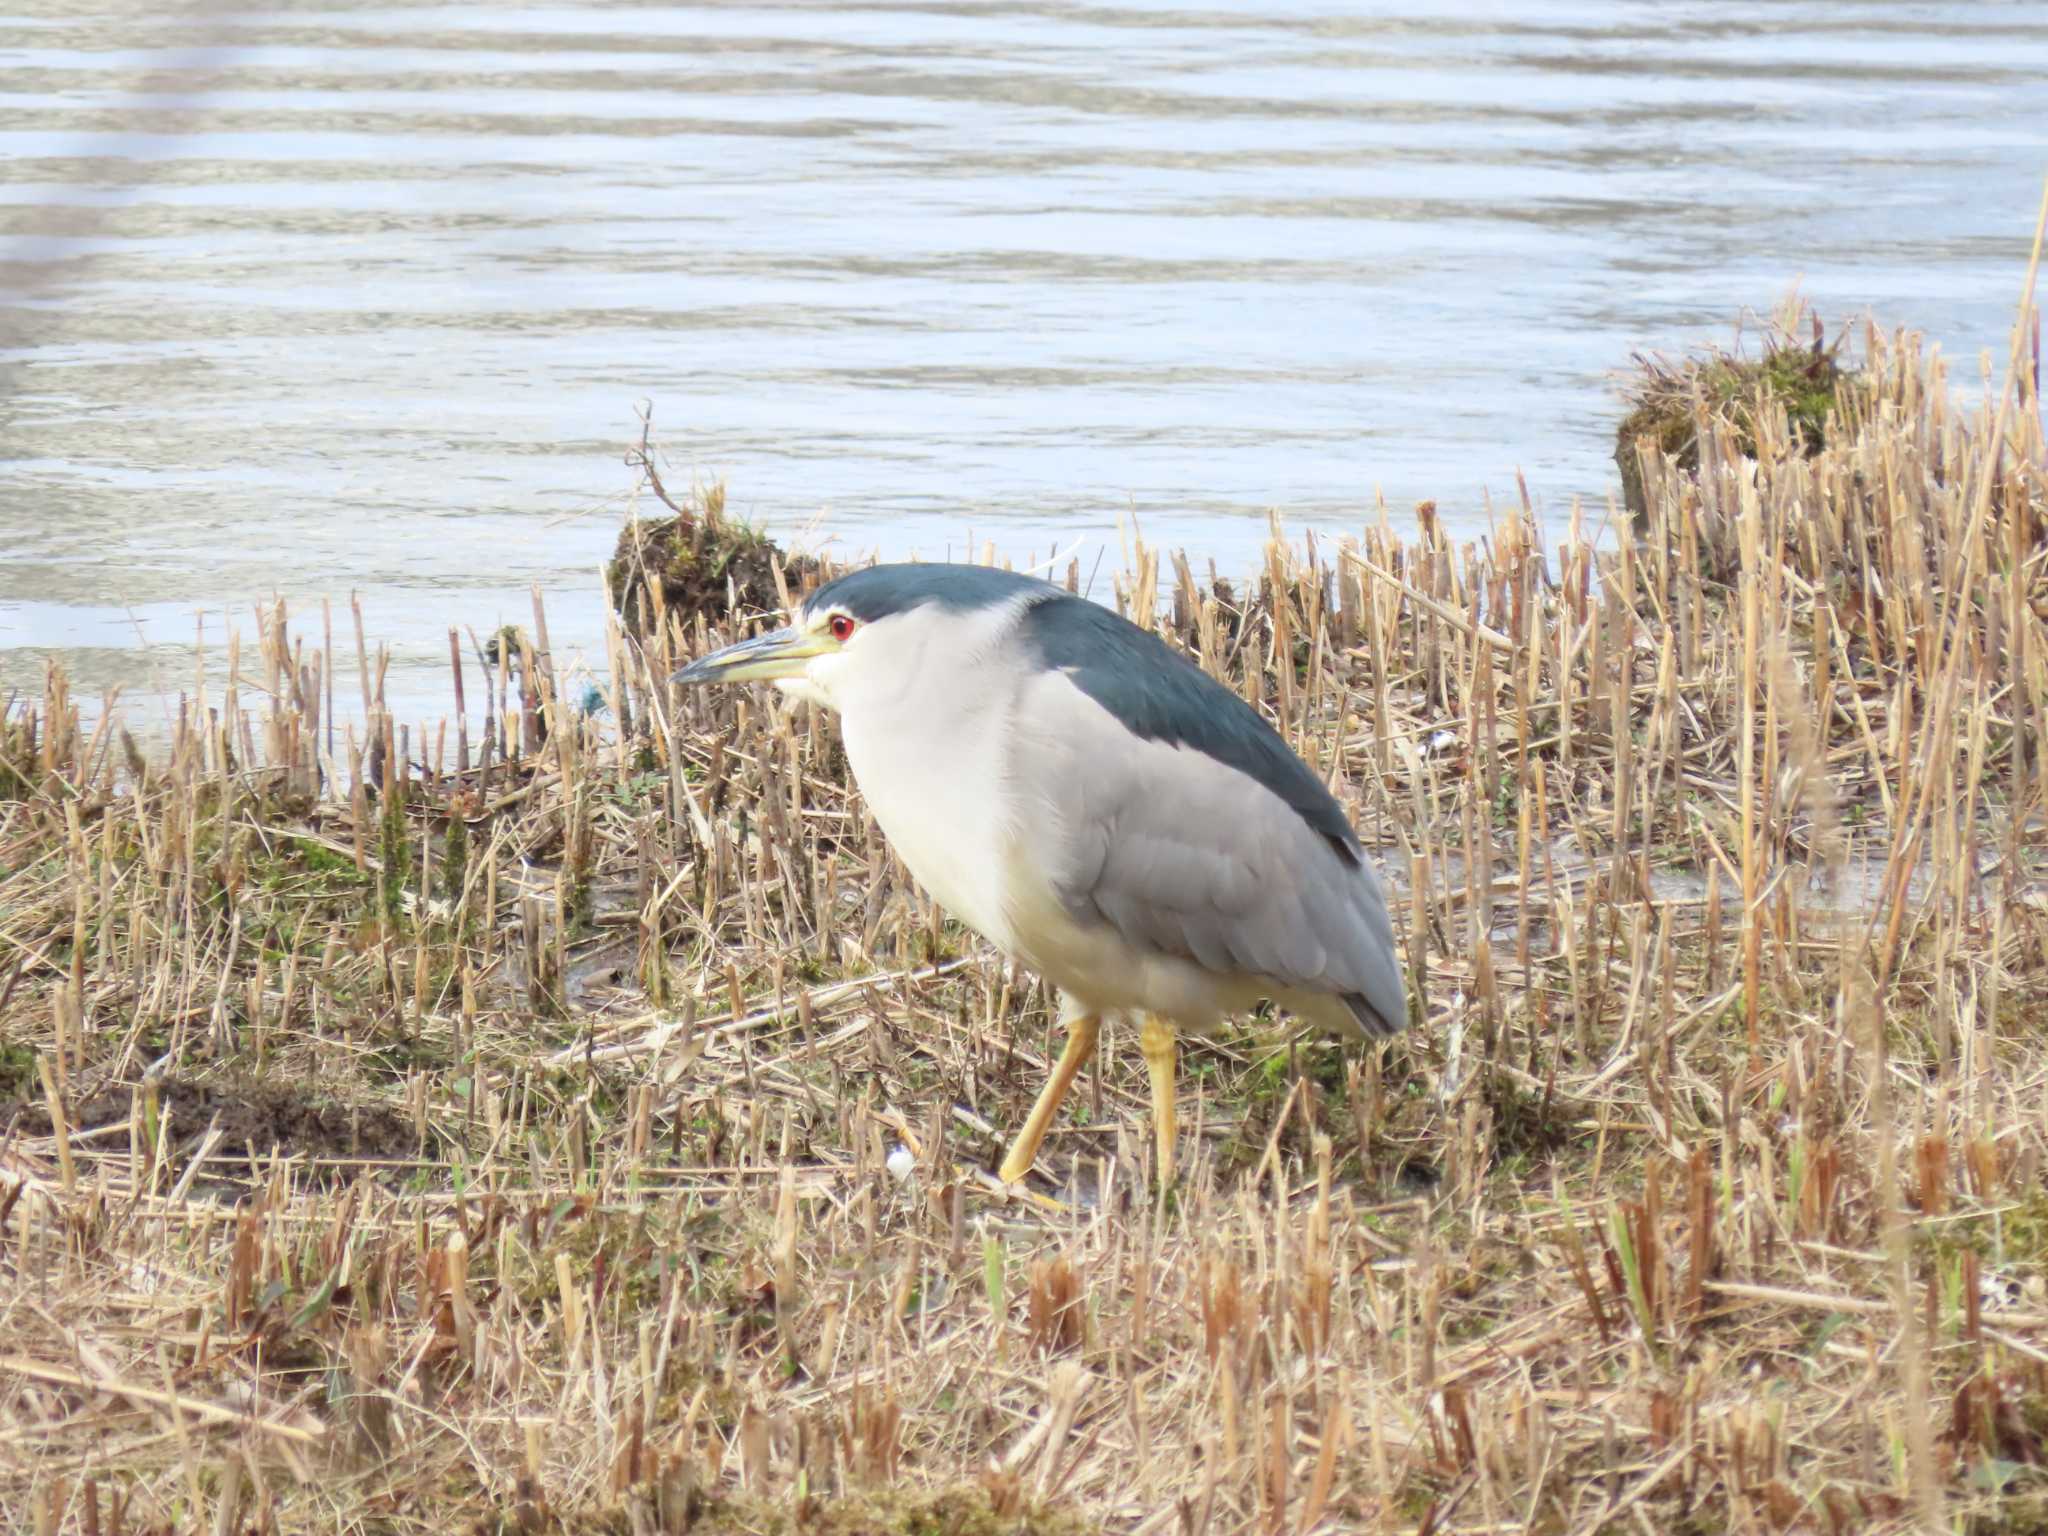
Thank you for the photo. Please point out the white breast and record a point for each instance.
(923, 699)
(934, 787)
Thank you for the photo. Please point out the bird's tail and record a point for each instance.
(1377, 1025)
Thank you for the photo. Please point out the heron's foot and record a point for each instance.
(1011, 1189)
(1157, 1039)
(1017, 1165)
(1082, 1034)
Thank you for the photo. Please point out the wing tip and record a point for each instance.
(1376, 1024)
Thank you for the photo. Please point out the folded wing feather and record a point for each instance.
(1217, 869)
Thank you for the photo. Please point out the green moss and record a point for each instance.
(317, 859)
(17, 1072)
(397, 1057)
(1526, 1123)
(2013, 1232)
(634, 1258)
(17, 759)
(504, 644)
(294, 877)
(1806, 382)
(2012, 1515)
(646, 789)
(394, 852)
(454, 858)
(703, 561)
(1671, 403)
(579, 859)
(967, 1510)
(1264, 1091)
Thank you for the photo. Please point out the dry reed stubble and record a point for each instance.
(506, 1140)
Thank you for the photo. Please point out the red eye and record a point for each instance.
(842, 627)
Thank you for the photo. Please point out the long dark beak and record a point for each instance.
(780, 653)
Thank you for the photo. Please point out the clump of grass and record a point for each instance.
(638, 1178)
(994, 1507)
(17, 756)
(1673, 403)
(698, 560)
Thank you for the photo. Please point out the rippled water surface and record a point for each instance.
(330, 297)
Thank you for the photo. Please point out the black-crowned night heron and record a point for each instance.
(1094, 805)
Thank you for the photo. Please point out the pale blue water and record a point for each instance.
(334, 297)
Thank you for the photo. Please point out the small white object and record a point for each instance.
(2000, 1292)
(1452, 1078)
(901, 1163)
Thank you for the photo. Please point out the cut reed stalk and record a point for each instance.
(518, 1127)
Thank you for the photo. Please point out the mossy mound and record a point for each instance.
(1670, 402)
(963, 1511)
(703, 561)
(993, 1507)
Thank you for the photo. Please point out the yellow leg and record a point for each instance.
(1156, 1040)
(1081, 1037)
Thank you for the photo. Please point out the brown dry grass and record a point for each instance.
(1797, 370)
(495, 1132)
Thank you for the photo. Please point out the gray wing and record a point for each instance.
(1186, 855)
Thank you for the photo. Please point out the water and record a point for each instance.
(349, 297)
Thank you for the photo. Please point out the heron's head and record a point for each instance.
(877, 632)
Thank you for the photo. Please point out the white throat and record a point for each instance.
(922, 698)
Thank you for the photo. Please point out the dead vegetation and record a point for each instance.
(1801, 375)
(1708, 1197)
(700, 559)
